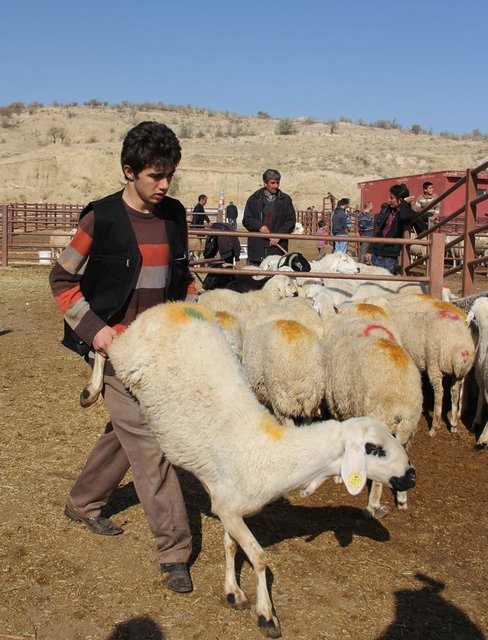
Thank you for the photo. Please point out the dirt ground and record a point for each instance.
(419, 574)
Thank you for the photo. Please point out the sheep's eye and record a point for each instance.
(375, 449)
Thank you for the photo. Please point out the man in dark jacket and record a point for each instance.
(340, 225)
(199, 217)
(268, 210)
(231, 214)
(394, 218)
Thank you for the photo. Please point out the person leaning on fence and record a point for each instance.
(231, 214)
(129, 253)
(340, 225)
(366, 229)
(394, 218)
(268, 210)
(321, 244)
(431, 215)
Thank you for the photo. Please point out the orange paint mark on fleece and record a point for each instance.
(183, 313)
(449, 311)
(368, 330)
(394, 351)
(370, 310)
(272, 429)
(292, 330)
(225, 319)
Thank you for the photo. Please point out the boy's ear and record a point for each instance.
(128, 173)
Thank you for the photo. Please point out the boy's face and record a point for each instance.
(150, 185)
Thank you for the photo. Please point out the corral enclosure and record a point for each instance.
(334, 573)
(378, 190)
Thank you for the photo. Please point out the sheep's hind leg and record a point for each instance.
(435, 378)
(236, 528)
(456, 399)
(234, 595)
(90, 393)
(375, 509)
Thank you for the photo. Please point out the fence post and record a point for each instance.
(4, 235)
(469, 240)
(436, 264)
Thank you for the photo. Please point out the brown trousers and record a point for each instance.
(128, 442)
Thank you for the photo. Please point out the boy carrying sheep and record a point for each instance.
(129, 253)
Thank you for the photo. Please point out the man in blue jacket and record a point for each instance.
(268, 210)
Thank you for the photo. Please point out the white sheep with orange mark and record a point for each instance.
(244, 458)
(367, 372)
(436, 335)
(284, 363)
(299, 309)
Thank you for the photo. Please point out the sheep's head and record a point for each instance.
(370, 451)
(345, 264)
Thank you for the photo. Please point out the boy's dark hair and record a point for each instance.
(201, 197)
(427, 184)
(151, 144)
(321, 223)
(343, 202)
(400, 191)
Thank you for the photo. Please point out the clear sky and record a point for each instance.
(419, 62)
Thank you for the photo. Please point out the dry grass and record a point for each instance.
(71, 154)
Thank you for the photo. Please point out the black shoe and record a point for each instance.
(177, 577)
(100, 525)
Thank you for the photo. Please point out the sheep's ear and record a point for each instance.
(353, 467)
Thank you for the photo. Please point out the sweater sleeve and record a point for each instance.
(65, 278)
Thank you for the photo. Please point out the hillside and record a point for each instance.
(71, 153)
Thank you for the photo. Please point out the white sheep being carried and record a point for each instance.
(244, 458)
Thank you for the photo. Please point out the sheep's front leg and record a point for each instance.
(435, 378)
(90, 393)
(234, 595)
(375, 508)
(234, 525)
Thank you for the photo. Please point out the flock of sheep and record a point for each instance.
(237, 389)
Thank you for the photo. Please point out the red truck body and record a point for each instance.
(378, 190)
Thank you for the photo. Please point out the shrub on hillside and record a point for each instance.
(285, 127)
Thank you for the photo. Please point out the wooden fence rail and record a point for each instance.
(27, 227)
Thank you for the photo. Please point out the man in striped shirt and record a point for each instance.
(129, 253)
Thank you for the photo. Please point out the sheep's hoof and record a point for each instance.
(237, 601)
(269, 628)
(377, 512)
(87, 399)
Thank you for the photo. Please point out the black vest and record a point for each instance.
(114, 262)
